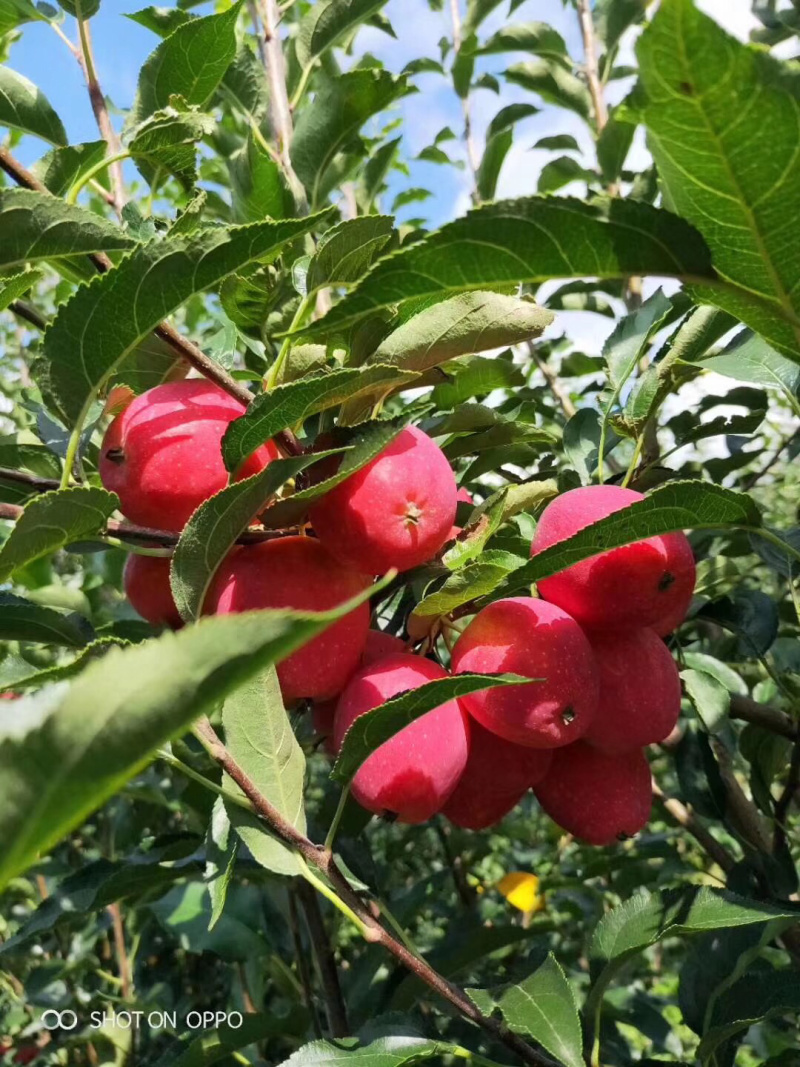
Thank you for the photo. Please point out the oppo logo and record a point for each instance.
(59, 1020)
(127, 1020)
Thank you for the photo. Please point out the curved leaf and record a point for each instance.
(24, 107)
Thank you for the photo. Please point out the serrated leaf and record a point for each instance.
(53, 520)
(690, 505)
(16, 674)
(259, 736)
(754, 998)
(748, 358)
(648, 917)
(327, 22)
(705, 161)
(554, 82)
(368, 442)
(132, 299)
(393, 1051)
(213, 528)
(258, 187)
(346, 251)
(22, 620)
(17, 285)
(529, 240)
(374, 727)
(709, 696)
(337, 115)
(61, 168)
(35, 227)
(189, 63)
(472, 581)
(24, 107)
(543, 1007)
(290, 404)
(164, 144)
(71, 747)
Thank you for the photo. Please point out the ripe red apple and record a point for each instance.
(379, 645)
(670, 622)
(596, 796)
(640, 691)
(297, 572)
(146, 583)
(396, 511)
(632, 586)
(322, 718)
(536, 640)
(162, 455)
(496, 777)
(413, 773)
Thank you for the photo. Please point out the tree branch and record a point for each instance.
(784, 801)
(98, 102)
(765, 716)
(685, 818)
(24, 311)
(590, 61)
(286, 441)
(322, 859)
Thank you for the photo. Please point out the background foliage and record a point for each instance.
(251, 190)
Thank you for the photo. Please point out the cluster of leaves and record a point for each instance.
(134, 875)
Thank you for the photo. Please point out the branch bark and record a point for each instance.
(765, 716)
(100, 110)
(323, 861)
(335, 1009)
(590, 61)
(686, 818)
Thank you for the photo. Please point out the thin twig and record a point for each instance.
(302, 960)
(756, 476)
(741, 810)
(25, 311)
(784, 801)
(121, 952)
(100, 110)
(466, 110)
(372, 930)
(680, 814)
(554, 385)
(765, 716)
(590, 64)
(326, 961)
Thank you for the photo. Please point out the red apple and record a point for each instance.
(146, 583)
(536, 640)
(162, 455)
(379, 645)
(396, 511)
(297, 572)
(411, 775)
(632, 586)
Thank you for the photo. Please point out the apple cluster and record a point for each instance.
(604, 684)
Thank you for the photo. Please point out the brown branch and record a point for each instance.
(25, 311)
(590, 63)
(685, 818)
(335, 1009)
(554, 385)
(123, 963)
(784, 801)
(770, 463)
(100, 110)
(765, 716)
(372, 930)
(286, 441)
(302, 960)
(741, 810)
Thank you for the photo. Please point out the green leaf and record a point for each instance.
(582, 442)
(560, 172)
(472, 581)
(614, 143)
(690, 505)
(17, 673)
(160, 20)
(374, 727)
(754, 998)
(709, 696)
(368, 442)
(554, 82)
(35, 227)
(346, 251)
(24, 107)
(259, 736)
(748, 358)
(53, 520)
(537, 37)
(258, 188)
(705, 161)
(84, 9)
(189, 63)
(71, 747)
(499, 138)
(338, 113)
(393, 1051)
(185, 911)
(327, 22)
(165, 143)
(133, 298)
(222, 848)
(14, 13)
(543, 1007)
(218, 1044)
(627, 340)
(648, 917)
(22, 620)
(15, 286)
(613, 17)
(477, 11)
(212, 530)
(529, 240)
(290, 404)
(61, 168)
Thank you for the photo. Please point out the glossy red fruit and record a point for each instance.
(297, 572)
(146, 583)
(640, 691)
(322, 717)
(536, 640)
(379, 645)
(496, 777)
(632, 586)
(670, 622)
(162, 456)
(597, 797)
(413, 773)
(396, 511)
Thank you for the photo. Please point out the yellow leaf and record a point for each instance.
(521, 890)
